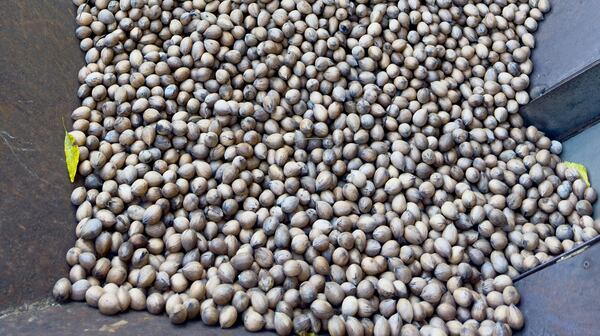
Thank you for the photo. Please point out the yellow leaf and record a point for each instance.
(581, 169)
(71, 155)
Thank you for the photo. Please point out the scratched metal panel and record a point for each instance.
(79, 319)
(566, 72)
(39, 60)
(568, 108)
(562, 300)
(566, 41)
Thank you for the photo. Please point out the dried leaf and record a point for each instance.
(580, 168)
(71, 155)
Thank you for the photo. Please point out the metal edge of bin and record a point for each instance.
(554, 260)
(562, 300)
(566, 70)
(569, 107)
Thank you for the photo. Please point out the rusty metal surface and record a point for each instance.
(39, 60)
(562, 300)
(79, 319)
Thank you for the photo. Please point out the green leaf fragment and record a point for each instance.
(580, 169)
(71, 155)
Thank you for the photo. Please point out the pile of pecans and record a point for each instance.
(343, 166)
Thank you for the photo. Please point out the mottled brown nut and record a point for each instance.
(108, 304)
(253, 321)
(62, 290)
